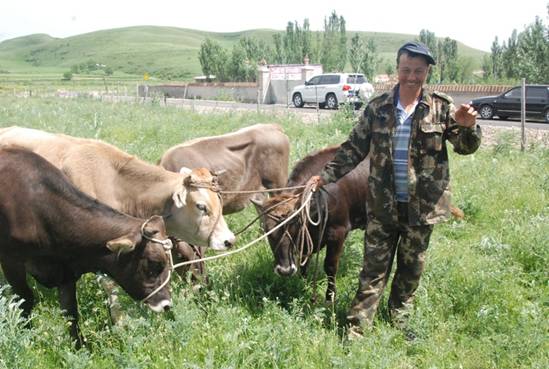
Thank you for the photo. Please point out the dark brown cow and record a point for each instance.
(346, 200)
(251, 158)
(56, 233)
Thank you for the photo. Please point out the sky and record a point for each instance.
(473, 22)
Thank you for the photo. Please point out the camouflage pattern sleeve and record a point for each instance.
(465, 140)
(352, 151)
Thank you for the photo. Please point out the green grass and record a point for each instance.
(483, 301)
(136, 50)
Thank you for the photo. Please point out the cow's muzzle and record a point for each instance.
(161, 306)
(285, 271)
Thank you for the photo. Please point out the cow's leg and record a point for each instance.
(68, 303)
(199, 273)
(334, 248)
(111, 289)
(16, 276)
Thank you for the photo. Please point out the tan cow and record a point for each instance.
(128, 184)
(252, 158)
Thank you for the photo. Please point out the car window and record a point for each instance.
(356, 78)
(330, 79)
(515, 93)
(536, 92)
(314, 80)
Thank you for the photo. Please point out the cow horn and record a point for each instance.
(121, 245)
(256, 202)
(218, 172)
(185, 171)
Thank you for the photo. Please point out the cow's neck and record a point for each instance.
(145, 188)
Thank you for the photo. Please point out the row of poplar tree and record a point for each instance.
(525, 55)
(298, 42)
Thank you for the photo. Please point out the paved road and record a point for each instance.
(208, 105)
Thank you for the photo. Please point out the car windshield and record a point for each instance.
(314, 81)
(516, 92)
(356, 78)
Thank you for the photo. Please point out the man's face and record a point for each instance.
(412, 72)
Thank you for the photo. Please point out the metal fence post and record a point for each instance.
(523, 115)
(317, 106)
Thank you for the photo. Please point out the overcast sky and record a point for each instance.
(473, 22)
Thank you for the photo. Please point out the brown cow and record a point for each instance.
(346, 201)
(251, 158)
(56, 233)
(192, 211)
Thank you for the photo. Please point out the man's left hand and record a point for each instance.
(466, 116)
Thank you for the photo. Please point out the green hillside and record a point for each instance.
(152, 49)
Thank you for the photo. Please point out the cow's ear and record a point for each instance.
(121, 245)
(180, 192)
(179, 196)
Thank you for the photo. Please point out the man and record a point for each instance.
(404, 132)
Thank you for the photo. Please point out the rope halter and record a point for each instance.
(167, 245)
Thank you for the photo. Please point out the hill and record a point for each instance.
(152, 49)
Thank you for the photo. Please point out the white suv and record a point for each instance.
(330, 90)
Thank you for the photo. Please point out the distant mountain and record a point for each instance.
(152, 49)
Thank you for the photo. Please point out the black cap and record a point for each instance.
(418, 48)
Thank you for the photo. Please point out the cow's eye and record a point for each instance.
(155, 268)
(201, 207)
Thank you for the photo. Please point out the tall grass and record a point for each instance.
(482, 302)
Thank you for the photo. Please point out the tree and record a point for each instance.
(67, 76)
(355, 53)
(510, 54)
(363, 56)
(447, 59)
(294, 44)
(212, 59)
(428, 38)
(369, 60)
(533, 53)
(334, 44)
(236, 69)
(524, 56)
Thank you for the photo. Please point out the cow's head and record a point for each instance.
(142, 265)
(283, 241)
(196, 214)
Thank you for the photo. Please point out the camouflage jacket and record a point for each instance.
(428, 174)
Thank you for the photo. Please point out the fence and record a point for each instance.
(279, 92)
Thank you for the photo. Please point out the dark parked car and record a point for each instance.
(508, 103)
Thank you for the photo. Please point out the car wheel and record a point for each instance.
(297, 100)
(547, 116)
(331, 101)
(486, 112)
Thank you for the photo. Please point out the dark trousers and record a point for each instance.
(381, 243)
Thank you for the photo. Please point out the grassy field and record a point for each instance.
(156, 50)
(483, 301)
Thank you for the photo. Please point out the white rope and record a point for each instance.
(297, 212)
(167, 246)
(263, 190)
